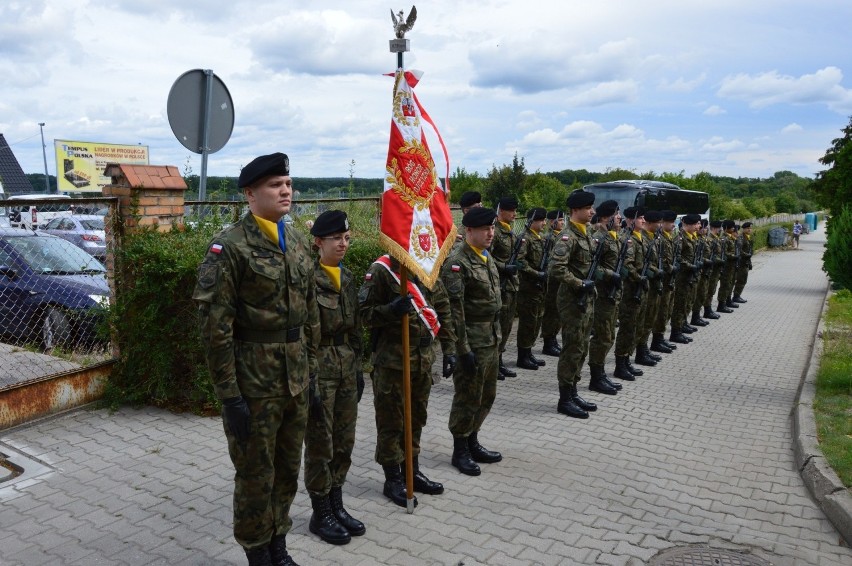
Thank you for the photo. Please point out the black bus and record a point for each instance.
(653, 195)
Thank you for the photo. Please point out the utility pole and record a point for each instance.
(44, 155)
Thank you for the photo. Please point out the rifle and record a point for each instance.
(545, 256)
(622, 256)
(737, 248)
(712, 258)
(513, 257)
(698, 260)
(642, 274)
(583, 300)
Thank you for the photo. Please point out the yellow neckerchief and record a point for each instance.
(747, 236)
(333, 273)
(536, 234)
(638, 235)
(650, 234)
(505, 225)
(479, 251)
(556, 232)
(667, 234)
(580, 227)
(692, 235)
(614, 234)
(269, 229)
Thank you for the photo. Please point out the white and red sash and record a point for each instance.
(426, 313)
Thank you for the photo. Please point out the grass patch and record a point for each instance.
(833, 402)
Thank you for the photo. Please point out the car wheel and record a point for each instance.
(55, 329)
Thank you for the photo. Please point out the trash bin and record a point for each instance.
(776, 237)
(811, 221)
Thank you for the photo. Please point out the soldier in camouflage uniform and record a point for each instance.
(468, 200)
(726, 278)
(472, 281)
(653, 296)
(550, 323)
(714, 243)
(686, 280)
(503, 250)
(572, 260)
(531, 289)
(664, 313)
(744, 264)
(260, 326)
(608, 290)
(634, 288)
(329, 440)
(430, 318)
(704, 272)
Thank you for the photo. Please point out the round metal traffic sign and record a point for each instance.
(186, 111)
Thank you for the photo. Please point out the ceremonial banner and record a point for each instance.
(417, 228)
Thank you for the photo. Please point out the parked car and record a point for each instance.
(51, 291)
(86, 231)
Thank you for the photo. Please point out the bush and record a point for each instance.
(837, 259)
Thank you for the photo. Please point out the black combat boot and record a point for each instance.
(462, 459)
(658, 344)
(677, 336)
(259, 556)
(634, 370)
(504, 371)
(580, 402)
(525, 360)
(642, 358)
(723, 308)
(731, 304)
(687, 329)
(567, 405)
(652, 355)
(708, 313)
(324, 524)
(697, 320)
(551, 347)
(614, 384)
(278, 550)
(395, 486)
(599, 381)
(738, 299)
(479, 453)
(424, 484)
(666, 343)
(621, 369)
(355, 527)
(538, 362)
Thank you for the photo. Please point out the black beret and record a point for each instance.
(633, 212)
(478, 216)
(653, 216)
(507, 203)
(330, 222)
(595, 219)
(469, 199)
(691, 218)
(704, 222)
(715, 223)
(669, 215)
(746, 224)
(536, 214)
(264, 166)
(580, 199)
(726, 224)
(555, 215)
(607, 208)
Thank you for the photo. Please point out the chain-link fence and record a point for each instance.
(53, 286)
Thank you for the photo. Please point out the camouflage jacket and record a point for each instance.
(572, 259)
(258, 312)
(667, 249)
(687, 253)
(377, 291)
(531, 252)
(637, 259)
(609, 256)
(474, 290)
(729, 244)
(651, 243)
(714, 250)
(340, 321)
(746, 246)
(501, 250)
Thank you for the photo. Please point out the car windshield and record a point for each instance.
(92, 224)
(55, 256)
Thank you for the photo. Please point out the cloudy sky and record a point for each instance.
(733, 87)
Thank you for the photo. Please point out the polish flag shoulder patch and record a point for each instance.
(216, 248)
(368, 276)
(456, 268)
(565, 238)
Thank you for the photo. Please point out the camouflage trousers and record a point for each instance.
(389, 404)
(740, 278)
(576, 326)
(550, 322)
(726, 283)
(267, 468)
(329, 442)
(700, 293)
(530, 307)
(664, 313)
(711, 286)
(628, 317)
(684, 290)
(603, 327)
(474, 393)
(650, 309)
(507, 317)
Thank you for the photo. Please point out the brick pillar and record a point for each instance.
(148, 195)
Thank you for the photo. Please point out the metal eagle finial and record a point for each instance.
(401, 24)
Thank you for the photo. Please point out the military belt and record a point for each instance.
(268, 336)
(338, 339)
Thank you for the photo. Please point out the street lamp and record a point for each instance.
(44, 154)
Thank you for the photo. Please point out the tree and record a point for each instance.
(544, 191)
(461, 182)
(833, 187)
(505, 181)
(837, 259)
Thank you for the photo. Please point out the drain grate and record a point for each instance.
(16, 466)
(703, 556)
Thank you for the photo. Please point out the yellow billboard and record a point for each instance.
(80, 165)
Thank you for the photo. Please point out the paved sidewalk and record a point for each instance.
(697, 451)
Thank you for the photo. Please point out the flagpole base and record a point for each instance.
(409, 506)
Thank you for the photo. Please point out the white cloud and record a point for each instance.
(766, 89)
(681, 84)
(719, 145)
(714, 110)
(791, 128)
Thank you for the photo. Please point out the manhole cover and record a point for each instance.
(698, 556)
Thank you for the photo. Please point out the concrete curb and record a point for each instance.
(820, 479)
